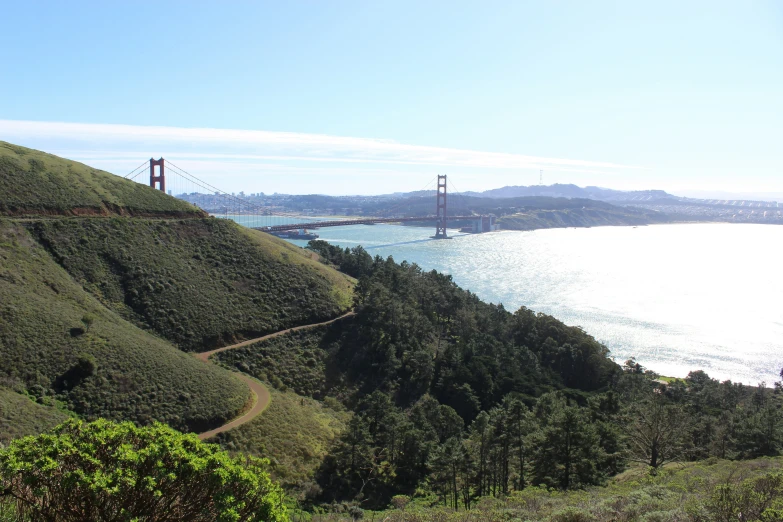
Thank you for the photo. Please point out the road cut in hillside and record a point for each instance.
(260, 392)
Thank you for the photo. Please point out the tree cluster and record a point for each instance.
(469, 400)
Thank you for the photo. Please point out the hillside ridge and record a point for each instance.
(35, 183)
(102, 279)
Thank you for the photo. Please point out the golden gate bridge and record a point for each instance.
(168, 177)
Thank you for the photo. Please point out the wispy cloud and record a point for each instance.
(287, 145)
(122, 145)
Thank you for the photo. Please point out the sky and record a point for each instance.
(371, 97)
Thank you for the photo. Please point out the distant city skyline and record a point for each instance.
(354, 97)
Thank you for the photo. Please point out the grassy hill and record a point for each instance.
(102, 279)
(295, 433)
(20, 416)
(33, 183)
(59, 341)
(200, 283)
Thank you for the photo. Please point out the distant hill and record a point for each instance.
(35, 183)
(572, 191)
(526, 212)
(103, 279)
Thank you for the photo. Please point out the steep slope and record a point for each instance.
(200, 283)
(36, 183)
(295, 433)
(56, 338)
(20, 416)
(98, 273)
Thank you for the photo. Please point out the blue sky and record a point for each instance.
(371, 97)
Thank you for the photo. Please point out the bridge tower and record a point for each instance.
(160, 179)
(440, 225)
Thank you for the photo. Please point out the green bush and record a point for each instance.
(107, 471)
(759, 498)
(572, 514)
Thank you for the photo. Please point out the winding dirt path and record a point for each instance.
(260, 392)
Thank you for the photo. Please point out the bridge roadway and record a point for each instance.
(363, 221)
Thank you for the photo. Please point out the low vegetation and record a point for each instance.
(294, 433)
(61, 345)
(120, 472)
(33, 183)
(20, 415)
(199, 283)
(295, 361)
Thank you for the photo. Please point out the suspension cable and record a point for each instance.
(207, 186)
(134, 170)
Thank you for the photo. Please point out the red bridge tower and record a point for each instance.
(440, 225)
(161, 177)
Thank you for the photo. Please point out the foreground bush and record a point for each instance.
(108, 471)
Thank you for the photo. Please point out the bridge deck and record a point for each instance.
(362, 221)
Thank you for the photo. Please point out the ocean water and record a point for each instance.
(677, 297)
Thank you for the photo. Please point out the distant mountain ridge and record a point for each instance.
(608, 195)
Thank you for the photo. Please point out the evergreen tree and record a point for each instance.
(567, 445)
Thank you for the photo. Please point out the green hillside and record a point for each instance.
(20, 416)
(102, 279)
(33, 183)
(294, 433)
(200, 283)
(59, 341)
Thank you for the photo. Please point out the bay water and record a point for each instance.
(677, 297)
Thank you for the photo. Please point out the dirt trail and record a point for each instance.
(260, 392)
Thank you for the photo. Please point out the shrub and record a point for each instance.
(759, 498)
(664, 516)
(572, 514)
(110, 471)
(356, 512)
(400, 501)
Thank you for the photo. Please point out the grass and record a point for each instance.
(199, 283)
(20, 416)
(670, 379)
(35, 183)
(60, 342)
(294, 433)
